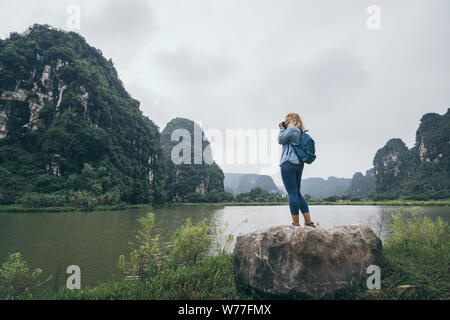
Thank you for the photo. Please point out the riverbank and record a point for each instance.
(20, 209)
(418, 251)
(431, 203)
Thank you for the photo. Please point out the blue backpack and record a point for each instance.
(305, 150)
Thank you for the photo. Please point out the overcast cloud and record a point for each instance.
(247, 63)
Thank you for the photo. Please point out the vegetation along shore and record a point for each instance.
(417, 251)
(19, 208)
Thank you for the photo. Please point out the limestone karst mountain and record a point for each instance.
(421, 172)
(68, 124)
(197, 177)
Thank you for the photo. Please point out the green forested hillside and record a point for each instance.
(198, 179)
(68, 128)
(362, 185)
(422, 172)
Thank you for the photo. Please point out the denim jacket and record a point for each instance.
(285, 138)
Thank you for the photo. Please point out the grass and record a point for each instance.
(418, 254)
(420, 248)
(210, 278)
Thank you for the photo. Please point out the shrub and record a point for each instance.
(41, 200)
(224, 240)
(110, 198)
(227, 197)
(421, 247)
(332, 199)
(87, 200)
(191, 242)
(194, 197)
(7, 197)
(16, 278)
(418, 234)
(142, 261)
(183, 271)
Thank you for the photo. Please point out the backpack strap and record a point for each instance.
(302, 130)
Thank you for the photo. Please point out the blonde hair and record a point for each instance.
(295, 120)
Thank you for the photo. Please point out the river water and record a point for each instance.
(95, 240)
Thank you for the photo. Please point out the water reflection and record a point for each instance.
(376, 217)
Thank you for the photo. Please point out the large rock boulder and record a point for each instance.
(296, 262)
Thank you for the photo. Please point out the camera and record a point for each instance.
(283, 124)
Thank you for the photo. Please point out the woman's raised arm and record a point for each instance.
(284, 136)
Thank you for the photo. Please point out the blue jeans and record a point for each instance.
(292, 176)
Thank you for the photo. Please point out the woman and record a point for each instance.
(292, 168)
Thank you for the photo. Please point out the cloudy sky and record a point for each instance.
(234, 64)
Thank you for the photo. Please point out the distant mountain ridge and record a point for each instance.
(241, 182)
(362, 185)
(319, 188)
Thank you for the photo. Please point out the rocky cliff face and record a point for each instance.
(433, 138)
(196, 176)
(62, 107)
(422, 171)
(362, 185)
(388, 164)
(47, 86)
